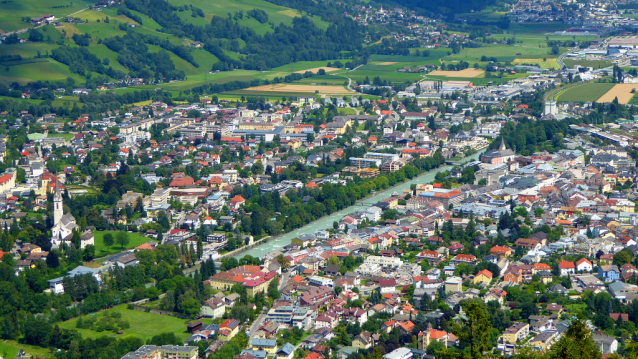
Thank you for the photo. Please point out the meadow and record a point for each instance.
(143, 325)
(14, 10)
(135, 240)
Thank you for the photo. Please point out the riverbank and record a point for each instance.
(278, 242)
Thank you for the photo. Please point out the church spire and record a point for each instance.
(58, 210)
(502, 148)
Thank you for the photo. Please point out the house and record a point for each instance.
(609, 273)
(433, 257)
(540, 323)
(453, 285)
(267, 345)
(213, 308)
(484, 276)
(495, 294)
(544, 340)
(554, 308)
(606, 343)
(515, 333)
(387, 286)
(584, 265)
(566, 268)
(501, 251)
(286, 351)
(228, 329)
(363, 340)
(463, 258)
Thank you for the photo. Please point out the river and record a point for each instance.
(326, 222)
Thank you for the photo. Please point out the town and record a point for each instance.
(450, 185)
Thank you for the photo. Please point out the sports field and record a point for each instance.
(584, 93)
(468, 73)
(331, 90)
(624, 93)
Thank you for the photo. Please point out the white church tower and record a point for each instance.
(58, 210)
(63, 224)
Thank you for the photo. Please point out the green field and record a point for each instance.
(134, 241)
(585, 92)
(143, 325)
(12, 11)
(595, 64)
(10, 348)
(537, 28)
(44, 69)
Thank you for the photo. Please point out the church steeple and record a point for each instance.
(502, 148)
(58, 211)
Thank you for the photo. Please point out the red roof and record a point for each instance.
(566, 265)
(485, 272)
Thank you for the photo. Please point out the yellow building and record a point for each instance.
(483, 276)
(515, 333)
(228, 329)
(267, 345)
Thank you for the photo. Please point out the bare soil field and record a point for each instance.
(386, 63)
(335, 90)
(463, 73)
(622, 91)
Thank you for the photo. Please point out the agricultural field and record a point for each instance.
(585, 92)
(624, 93)
(303, 89)
(101, 250)
(31, 70)
(466, 73)
(545, 63)
(142, 325)
(303, 66)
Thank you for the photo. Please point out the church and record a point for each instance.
(502, 155)
(63, 224)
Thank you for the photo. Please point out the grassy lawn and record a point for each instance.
(585, 92)
(66, 136)
(9, 349)
(143, 325)
(134, 241)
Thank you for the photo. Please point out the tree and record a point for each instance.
(122, 239)
(576, 343)
(273, 289)
(52, 260)
(622, 257)
(474, 327)
(89, 252)
(108, 240)
(284, 262)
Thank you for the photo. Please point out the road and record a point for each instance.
(560, 58)
(283, 280)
